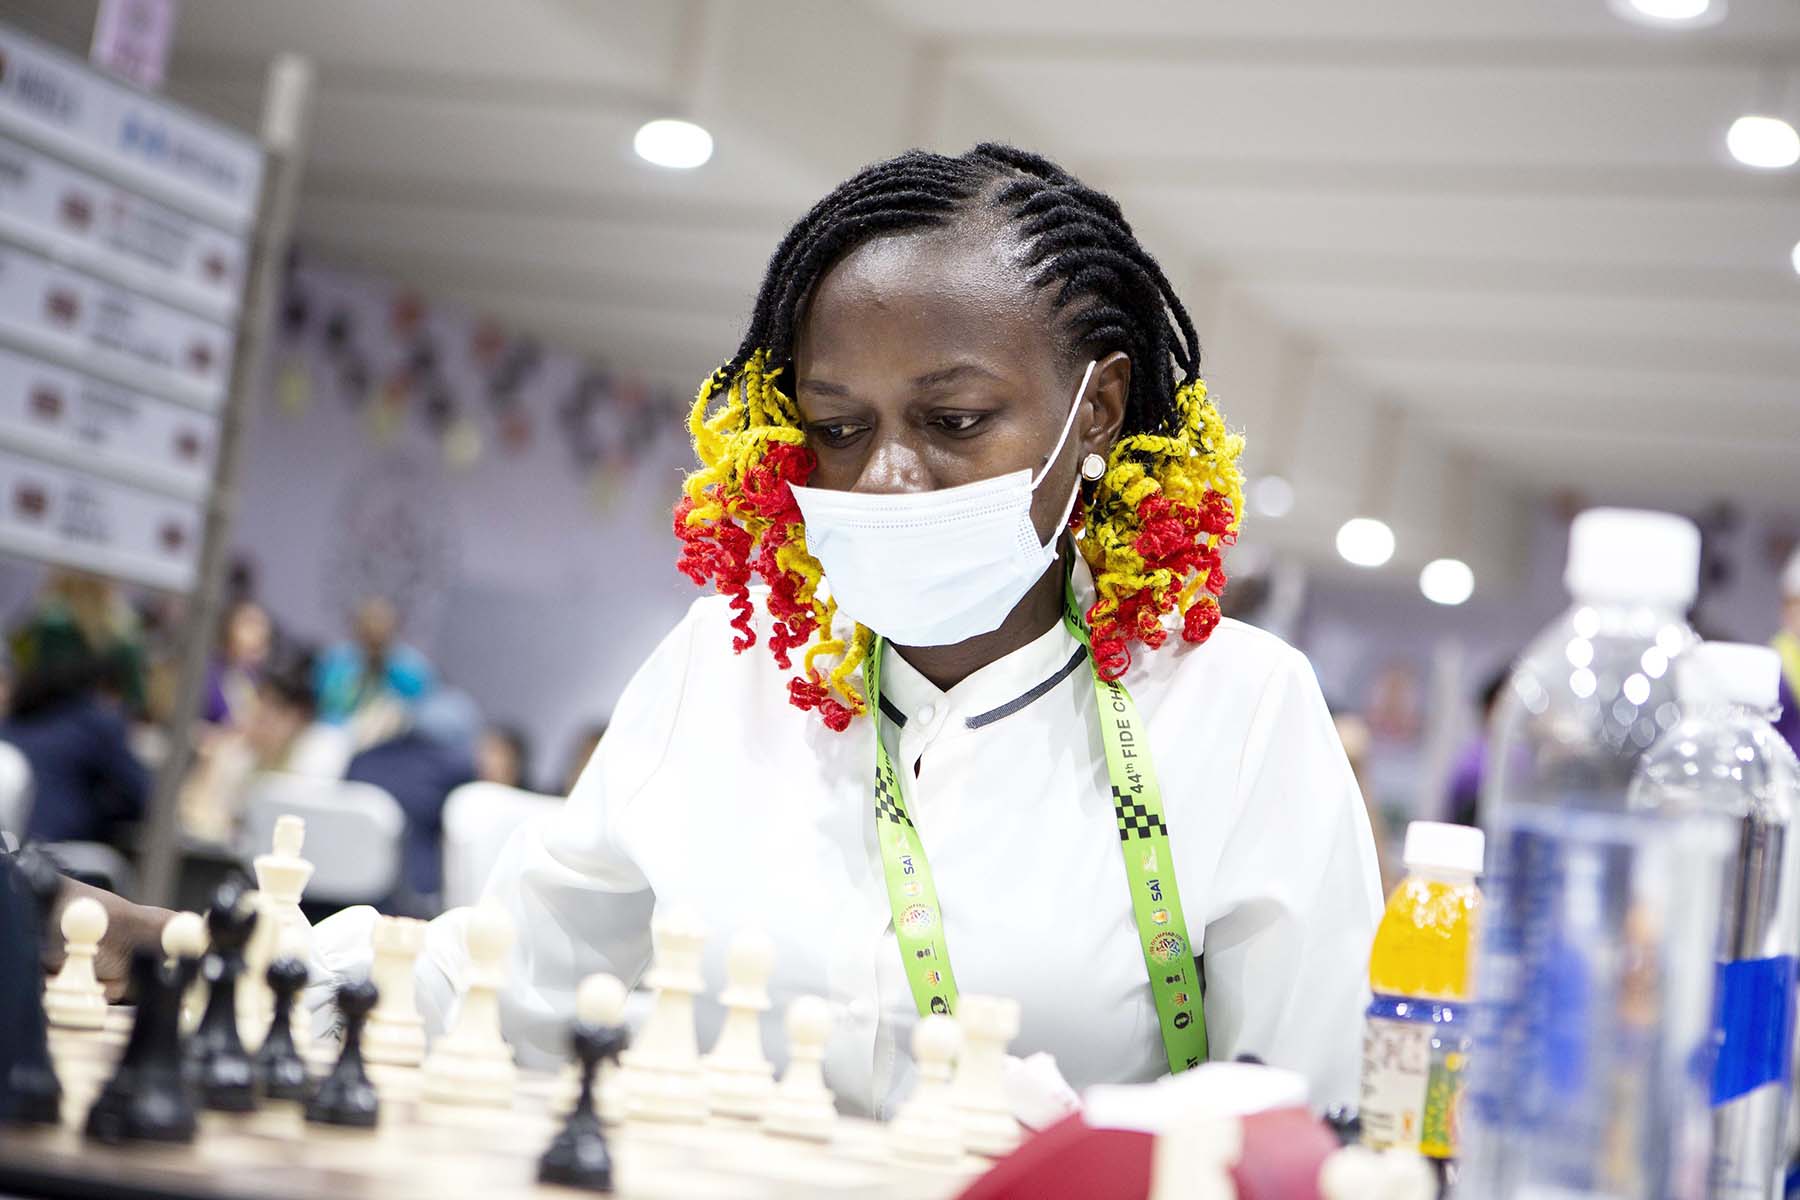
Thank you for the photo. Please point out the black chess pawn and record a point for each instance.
(577, 1156)
(346, 1097)
(147, 1098)
(279, 1068)
(221, 1067)
(31, 1094)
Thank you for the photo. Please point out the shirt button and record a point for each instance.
(927, 713)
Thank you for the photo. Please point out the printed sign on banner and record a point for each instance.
(87, 222)
(65, 516)
(47, 306)
(131, 39)
(61, 105)
(82, 422)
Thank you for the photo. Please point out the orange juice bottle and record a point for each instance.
(1416, 1038)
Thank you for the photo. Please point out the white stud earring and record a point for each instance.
(1093, 467)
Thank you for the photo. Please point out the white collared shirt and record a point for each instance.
(711, 792)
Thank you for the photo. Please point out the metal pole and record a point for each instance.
(285, 107)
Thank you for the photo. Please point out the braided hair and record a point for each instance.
(1152, 529)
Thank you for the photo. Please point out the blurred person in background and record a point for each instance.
(419, 767)
(586, 742)
(1354, 733)
(503, 755)
(368, 682)
(1464, 804)
(1787, 644)
(69, 721)
(83, 618)
(246, 638)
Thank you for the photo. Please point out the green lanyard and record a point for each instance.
(1143, 836)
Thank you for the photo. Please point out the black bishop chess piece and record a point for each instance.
(346, 1097)
(148, 1098)
(577, 1156)
(279, 1068)
(31, 1094)
(221, 1067)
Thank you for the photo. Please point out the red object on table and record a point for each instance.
(1283, 1151)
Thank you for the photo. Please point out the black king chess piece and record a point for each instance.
(147, 1098)
(222, 1068)
(346, 1097)
(279, 1068)
(577, 1156)
(32, 1095)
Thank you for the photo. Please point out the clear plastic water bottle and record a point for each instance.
(1726, 757)
(1594, 975)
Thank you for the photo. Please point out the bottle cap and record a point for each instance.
(1436, 846)
(1713, 673)
(1630, 554)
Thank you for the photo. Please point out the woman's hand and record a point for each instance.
(128, 926)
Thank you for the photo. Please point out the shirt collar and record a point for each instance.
(999, 689)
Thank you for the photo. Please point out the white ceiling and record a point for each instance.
(1443, 253)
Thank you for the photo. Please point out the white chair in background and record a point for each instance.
(353, 833)
(15, 790)
(478, 818)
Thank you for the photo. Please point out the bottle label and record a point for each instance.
(1755, 999)
(1412, 1077)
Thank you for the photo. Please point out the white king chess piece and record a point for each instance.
(928, 1128)
(979, 1093)
(801, 1104)
(472, 1064)
(739, 1077)
(662, 1068)
(281, 878)
(600, 1000)
(75, 999)
(395, 1035)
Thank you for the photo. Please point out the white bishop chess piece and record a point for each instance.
(75, 999)
(600, 1000)
(662, 1069)
(472, 1064)
(801, 1105)
(928, 1128)
(988, 1023)
(395, 1035)
(739, 1076)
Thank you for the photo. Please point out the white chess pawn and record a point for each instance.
(801, 1104)
(1359, 1173)
(184, 936)
(928, 1127)
(662, 1068)
(739, 1076)
(75, 999)
(1192, 1158)
(395, 1034)
(988, 1023)
(600, 1000)
(472, 1064)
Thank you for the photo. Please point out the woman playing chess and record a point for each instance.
(964, 715)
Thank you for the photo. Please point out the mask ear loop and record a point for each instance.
(1075, 492)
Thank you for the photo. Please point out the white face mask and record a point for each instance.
(935, 568)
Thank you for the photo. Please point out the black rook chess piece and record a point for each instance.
(577, 1156)
(279, 1067)
(31, 1095)
(222, 1068)
(147, 1098)
(347, 1097)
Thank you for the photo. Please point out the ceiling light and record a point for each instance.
(1796, 258)
(1685, 13)
(669, 143)
(1272, 496)
(1365, 541)
(1761, 141)
(1447, 581)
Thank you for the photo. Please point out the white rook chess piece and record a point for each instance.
(472, 1064)
(600, 1000)
(662, 1068)
(801, 1105)
(739, 1077)
(979, 1093)
(75, 999)
(395, 1034)
(928, 1128)
(1193, 1156)
(184, 936)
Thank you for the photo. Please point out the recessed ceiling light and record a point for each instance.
(1769, 143)
(1272, 496)
(1687, 14)
(1447, 581)
(670, 143)
(1365, 541)
(1796, 258)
